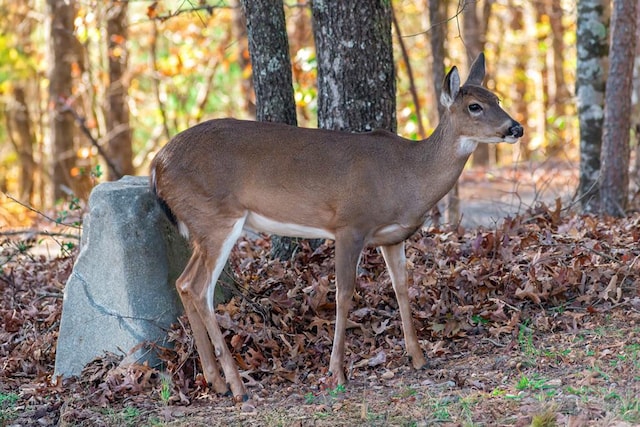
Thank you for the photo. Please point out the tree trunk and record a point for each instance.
(437, 31)
(474, 25)
(239, 32)
(351, 38)
(272, 79)
(62, 42)
(544, 86)
(356, 80)
(438, 20)
(592, 39)
(20, 128)
(519, 87)
(300, 41)
(269, 50)
(117, 114)
(21, 136)
(614, 190)
(636, 98)
(562, 95)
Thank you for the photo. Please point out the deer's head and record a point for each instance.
(475, 112)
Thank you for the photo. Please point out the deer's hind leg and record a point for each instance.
(209, 257)
(195, 277)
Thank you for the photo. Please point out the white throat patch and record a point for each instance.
(466, 145)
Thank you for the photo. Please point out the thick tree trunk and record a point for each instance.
(62, 42)
(356, 80)
(272, 79)
(592, 35)
(614, 190)
(269, 50)
(117, 114)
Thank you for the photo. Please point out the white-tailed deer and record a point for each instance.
(359, 189)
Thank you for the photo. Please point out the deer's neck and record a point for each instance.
(448, 147)
(444, 155)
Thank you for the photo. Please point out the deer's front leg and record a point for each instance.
(397, 265)
(348, 249)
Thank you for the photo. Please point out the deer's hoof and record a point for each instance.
(241, 398)
(419, 363)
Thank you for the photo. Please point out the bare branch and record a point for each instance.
(34, 232)
(462, 4)
(42, 214)
(82, 122)
(153, 58)
(412, 84)
(209, 8)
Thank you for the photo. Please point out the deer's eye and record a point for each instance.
(475, 108)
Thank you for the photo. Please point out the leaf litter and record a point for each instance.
(547, 297)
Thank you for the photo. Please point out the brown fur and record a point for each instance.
(363, 189)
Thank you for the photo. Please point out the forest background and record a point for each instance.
(534, 316)
(136, 75)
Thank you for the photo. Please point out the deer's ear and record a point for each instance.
(450, 88)
(477, 71)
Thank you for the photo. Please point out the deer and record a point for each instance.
(373, 189)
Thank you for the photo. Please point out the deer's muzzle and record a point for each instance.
(516, 130)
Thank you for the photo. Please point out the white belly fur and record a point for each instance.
(257, 222)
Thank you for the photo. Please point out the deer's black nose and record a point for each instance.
(516, 130)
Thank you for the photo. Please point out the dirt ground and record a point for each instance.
(536, 322)
(586, 377)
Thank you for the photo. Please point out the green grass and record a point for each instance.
(525, 341)
(165, 389)
(130, 414)
(407, 392)
(555, 354)
(498, 392)
(629, 410)
(8, 399)
(581, 391)
(467, 405)
(545, 419)
(340, 389)
(533, 383)
(7, 407)
(440, 410)
(600, 372)
(329, 398)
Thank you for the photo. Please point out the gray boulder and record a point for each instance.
(121, 291)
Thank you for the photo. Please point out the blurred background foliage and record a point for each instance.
(188, 61)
